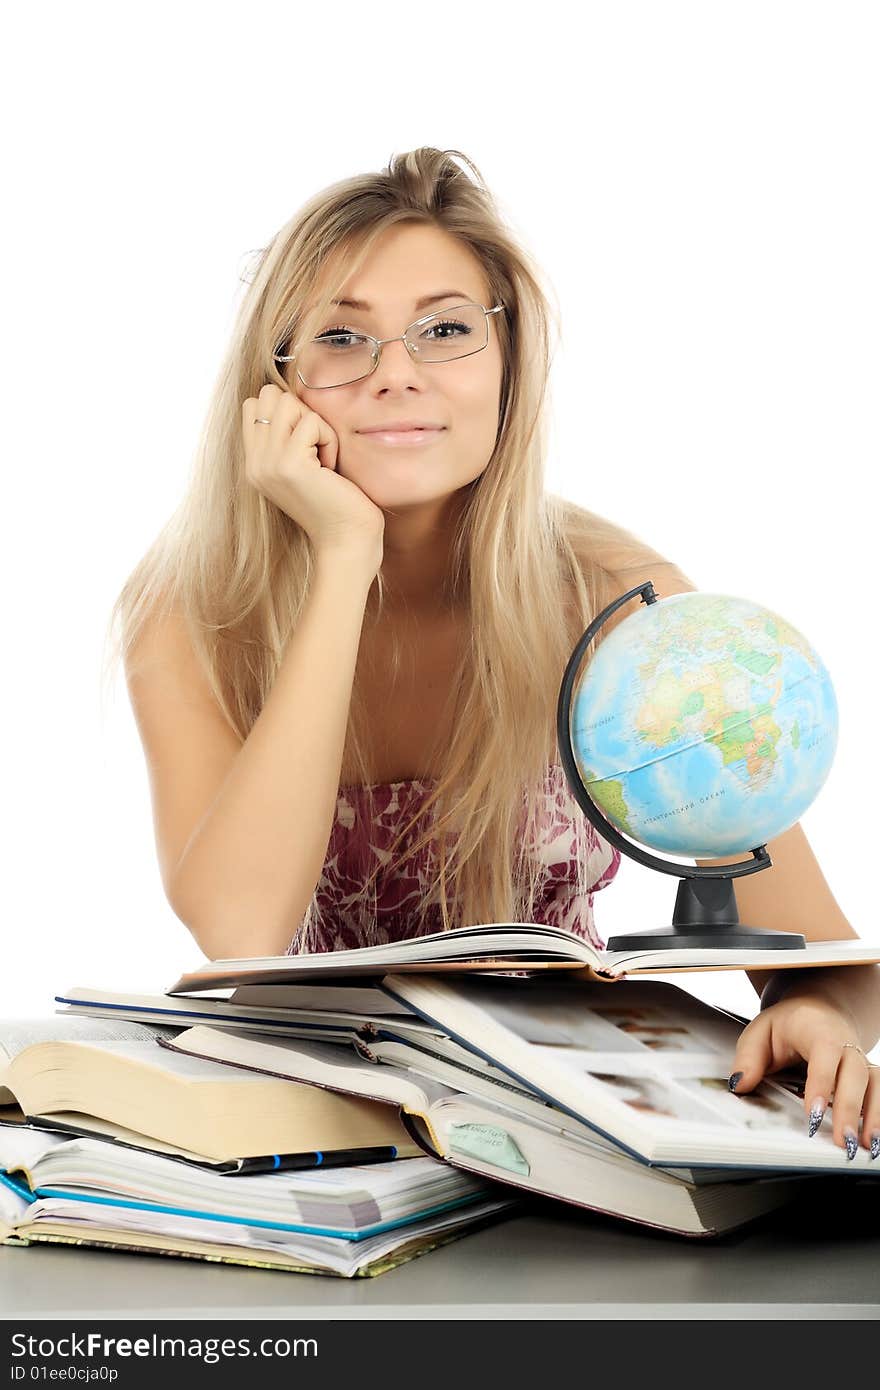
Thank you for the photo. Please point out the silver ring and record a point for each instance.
(856, 1046)
(260, 421)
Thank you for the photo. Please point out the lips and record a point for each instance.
(413, 437)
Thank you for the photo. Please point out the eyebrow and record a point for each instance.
(419, 304)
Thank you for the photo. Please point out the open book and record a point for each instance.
(117, 1073)
(645, 1066)
(513, 946)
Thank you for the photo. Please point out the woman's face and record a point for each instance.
(462, 395)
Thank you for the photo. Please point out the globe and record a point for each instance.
(703, 725)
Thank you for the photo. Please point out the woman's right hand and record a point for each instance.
(292, 462)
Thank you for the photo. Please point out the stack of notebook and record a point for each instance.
(107, 1138)
(503, 1052)
(500, 1054)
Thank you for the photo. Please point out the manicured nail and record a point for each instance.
(816, 1114)
(851, 1139)
(733, 1081)
(875, 1145)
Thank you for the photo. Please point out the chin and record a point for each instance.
(386, 486)
(397, 502)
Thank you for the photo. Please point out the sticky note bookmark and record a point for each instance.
(490, 1144)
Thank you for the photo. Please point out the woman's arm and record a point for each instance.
(793, 895)
(248, 872)
(827, 1017)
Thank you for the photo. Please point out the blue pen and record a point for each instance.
(332, 1158)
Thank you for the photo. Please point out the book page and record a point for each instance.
(180, 1064)
(22, 1145)
(147, 1052)
(493, 945)
(18, 1033)
(317, 1063)
(654, 1048)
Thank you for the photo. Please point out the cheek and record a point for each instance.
(481, 402)
(331, 411)
(478, 390)
(477, 428)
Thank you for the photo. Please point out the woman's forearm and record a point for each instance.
(854, 989)
(250, 869)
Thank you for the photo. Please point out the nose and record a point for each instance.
(395, 365)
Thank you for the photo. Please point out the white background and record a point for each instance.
(699, 182)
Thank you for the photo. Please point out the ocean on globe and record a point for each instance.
(703, 725)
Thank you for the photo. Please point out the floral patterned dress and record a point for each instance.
(357, 843)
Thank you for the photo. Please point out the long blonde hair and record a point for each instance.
(532, 568)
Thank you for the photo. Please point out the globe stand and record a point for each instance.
(705, 913)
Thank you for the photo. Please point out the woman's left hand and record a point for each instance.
(814, 1031)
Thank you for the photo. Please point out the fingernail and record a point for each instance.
(816, 1114)
(733, 1081)
(875, 1145)
(851, 1139)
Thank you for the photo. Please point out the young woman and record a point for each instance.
(344, 651)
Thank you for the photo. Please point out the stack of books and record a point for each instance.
(109, 1139)
(503, 1053)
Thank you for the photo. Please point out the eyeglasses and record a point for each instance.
(340, 356)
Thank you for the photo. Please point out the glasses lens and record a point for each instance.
(340, 355)
(335, 357)
(450, 333)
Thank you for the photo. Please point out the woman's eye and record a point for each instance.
(449, 323)
(339, 337)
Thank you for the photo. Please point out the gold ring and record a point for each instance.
(857, 1048)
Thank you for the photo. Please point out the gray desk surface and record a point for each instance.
(550, 1262)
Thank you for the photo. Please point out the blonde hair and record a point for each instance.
(533, 568)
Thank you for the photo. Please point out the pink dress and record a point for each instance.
(355, 846)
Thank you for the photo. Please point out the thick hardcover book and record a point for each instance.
(115, 1072)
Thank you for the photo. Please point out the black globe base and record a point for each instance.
(732, 936)
(706, 916)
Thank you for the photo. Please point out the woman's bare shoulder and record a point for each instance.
(159, 636)
(162, 652)
(599, 541)
(620, 560)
